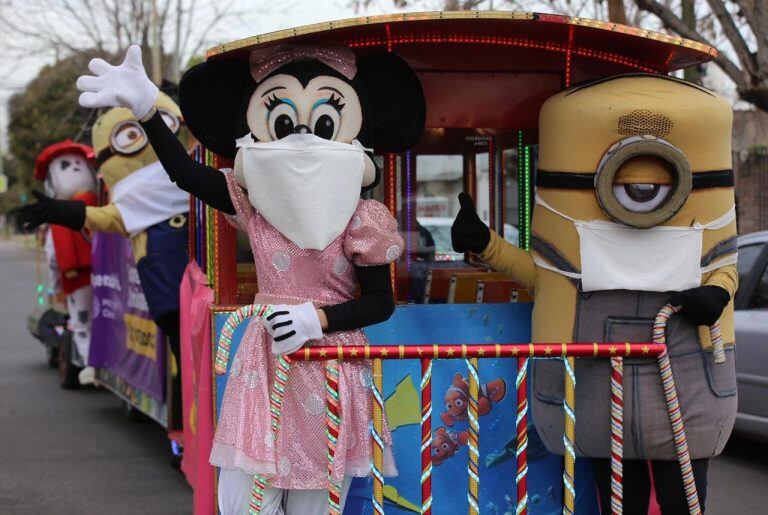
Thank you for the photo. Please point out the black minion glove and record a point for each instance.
(702, 305)
(468, 232)
(69, 213)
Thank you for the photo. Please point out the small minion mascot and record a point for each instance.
(67, 168)
(634, 210)
(144, 205)
(297, 121)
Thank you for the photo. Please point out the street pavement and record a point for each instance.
(70, 452)
(75, 452)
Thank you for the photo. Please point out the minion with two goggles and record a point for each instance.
(634, 210)
(144, 205)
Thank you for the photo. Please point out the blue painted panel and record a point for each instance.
(457, 324)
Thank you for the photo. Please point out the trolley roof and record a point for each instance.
(493, 69)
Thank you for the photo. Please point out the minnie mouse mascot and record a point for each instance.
(298, 122)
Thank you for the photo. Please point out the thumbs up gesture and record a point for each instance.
(125, 85)
(468, 232)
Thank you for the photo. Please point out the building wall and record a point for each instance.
(750, 165)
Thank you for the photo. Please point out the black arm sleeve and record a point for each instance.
(375, 304)
(206, 183)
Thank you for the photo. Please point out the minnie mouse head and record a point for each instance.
(323, 91)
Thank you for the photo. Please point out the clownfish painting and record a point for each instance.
(446, 443)
(457, 398)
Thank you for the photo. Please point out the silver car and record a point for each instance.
(752, 335)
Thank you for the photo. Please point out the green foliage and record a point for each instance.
(45, 112)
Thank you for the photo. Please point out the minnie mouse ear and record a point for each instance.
(396, 98)
(211, 98)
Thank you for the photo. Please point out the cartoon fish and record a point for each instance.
(457, 398)
(446, 443)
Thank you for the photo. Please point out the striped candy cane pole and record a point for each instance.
(521, 454)
(333, 412)
(673, 409)
(718, 350)
(474, 433)
(426, 436)
(378, 442)
(569, 406)
(230, 324)
(617, 434)
(278, 386)
(276, 409)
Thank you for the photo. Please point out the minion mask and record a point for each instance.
(122, 147)
(653, 180)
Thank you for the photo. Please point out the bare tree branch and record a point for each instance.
(731, 32)
(672, 22)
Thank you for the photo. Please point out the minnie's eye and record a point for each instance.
(325, 121)
(641, 198)
(281, 121)
(128, 138)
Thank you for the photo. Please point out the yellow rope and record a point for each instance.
(378, 447)
(570, 436)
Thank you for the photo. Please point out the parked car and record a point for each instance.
(752, 336)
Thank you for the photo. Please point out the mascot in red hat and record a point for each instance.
(67, 169)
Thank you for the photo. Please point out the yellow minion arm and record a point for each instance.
(104, 219)
(725, 277)
(510, 260)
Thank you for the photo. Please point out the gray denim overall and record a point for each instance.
(707, 391)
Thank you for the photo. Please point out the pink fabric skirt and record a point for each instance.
(297, 459)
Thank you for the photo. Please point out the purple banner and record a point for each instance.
(124, 339)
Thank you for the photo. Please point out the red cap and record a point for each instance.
(62, 147)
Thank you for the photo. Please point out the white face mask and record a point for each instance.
(306, 187)
(661, 258)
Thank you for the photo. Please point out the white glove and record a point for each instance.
(126, 85)
(291, 326)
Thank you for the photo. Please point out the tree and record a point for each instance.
(741, 22)
(171, 30)
(45, 112)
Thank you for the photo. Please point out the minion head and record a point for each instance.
(120, 144)
(641, 150)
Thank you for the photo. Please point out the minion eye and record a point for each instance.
(171, 120)
(641, 198)
(128, 138)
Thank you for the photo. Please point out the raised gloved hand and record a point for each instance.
(702, 305)
(291, 326)
(125, 85)
(69, 213)
(468, 232)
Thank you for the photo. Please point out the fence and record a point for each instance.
(472, 354)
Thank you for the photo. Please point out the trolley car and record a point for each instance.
(485, 76)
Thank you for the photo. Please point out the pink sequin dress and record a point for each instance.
(290, 275)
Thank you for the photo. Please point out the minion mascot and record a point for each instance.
(634, 210)
(67, 169)
(144, 205)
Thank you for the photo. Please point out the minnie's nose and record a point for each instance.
(302, 129)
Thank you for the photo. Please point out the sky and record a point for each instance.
(286, 14)
(259, 16)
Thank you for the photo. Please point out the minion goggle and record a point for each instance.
(128, 137)
(639, 203)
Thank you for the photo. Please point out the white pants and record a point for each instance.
(79, 308)
(235, 496)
